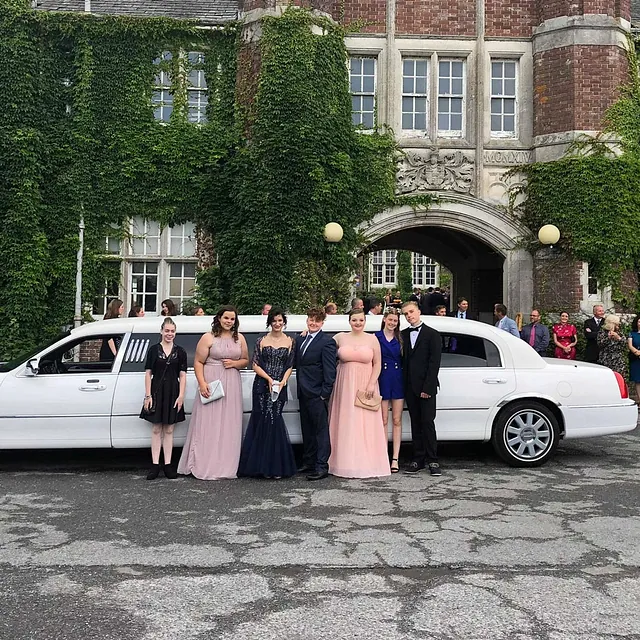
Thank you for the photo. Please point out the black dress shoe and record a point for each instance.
(170, 472)
(154, 472)
(413, 467)
(305, 469)
(318, 476)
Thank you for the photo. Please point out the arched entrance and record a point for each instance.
(475, 241)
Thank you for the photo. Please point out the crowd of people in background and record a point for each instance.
(348, 385)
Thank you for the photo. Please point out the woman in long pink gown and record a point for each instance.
(212, 448)
(359, 445)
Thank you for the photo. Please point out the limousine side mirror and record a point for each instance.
(32, 367)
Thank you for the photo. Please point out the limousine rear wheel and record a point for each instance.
(525, 434)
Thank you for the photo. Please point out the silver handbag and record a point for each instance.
(216, 391)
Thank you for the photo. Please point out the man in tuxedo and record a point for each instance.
(536, 334)
(462, 311)
(420, 366)
(591, 328)
(316, 355)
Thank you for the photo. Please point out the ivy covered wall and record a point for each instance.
(593, 194)
(79, 139)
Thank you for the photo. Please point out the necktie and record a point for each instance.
(306, 342)
(416, 328)
(532, 336)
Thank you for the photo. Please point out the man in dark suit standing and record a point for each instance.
(316, 355)
(462, 311)
(425, 302)
(591, 328)
(420, 366)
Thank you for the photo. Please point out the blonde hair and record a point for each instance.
(611, 321)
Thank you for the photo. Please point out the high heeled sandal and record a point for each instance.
(396, 468)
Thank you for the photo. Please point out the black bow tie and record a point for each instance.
(415, 328)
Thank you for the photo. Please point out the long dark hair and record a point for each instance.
(216, 327)
(135, 310)
(171, 308)
(634, 323)
(113, 309)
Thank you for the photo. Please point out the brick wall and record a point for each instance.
(548, 9)
(574, 86)
(371, 11)
(508, 19)
(437, 17)
(556, 282)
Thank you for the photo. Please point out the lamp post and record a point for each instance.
(549, 234)
(333, 232)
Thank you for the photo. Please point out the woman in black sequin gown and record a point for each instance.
(266, 450)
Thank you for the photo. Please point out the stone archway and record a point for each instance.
(468, 236)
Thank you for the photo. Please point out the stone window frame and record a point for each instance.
(502, 97)
(415, 95)
(358, 121)
(451, 95)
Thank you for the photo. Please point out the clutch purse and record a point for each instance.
(370, 404)
(216, 391)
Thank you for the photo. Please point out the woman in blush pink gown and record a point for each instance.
(359, 447)
(212, 448)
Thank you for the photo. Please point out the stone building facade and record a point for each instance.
(471, 88)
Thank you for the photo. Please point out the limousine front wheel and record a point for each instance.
(525, 434)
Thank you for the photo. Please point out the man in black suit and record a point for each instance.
(420, 366)
(591, 328)
(425, 302)
(316, 354)
(462, 311)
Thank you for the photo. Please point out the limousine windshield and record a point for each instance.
(21, 359)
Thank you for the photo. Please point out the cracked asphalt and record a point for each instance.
(90, 549)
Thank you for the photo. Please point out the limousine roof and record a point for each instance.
(524, 355)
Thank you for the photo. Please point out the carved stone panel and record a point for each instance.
(433, 170)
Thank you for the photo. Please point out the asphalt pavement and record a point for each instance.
(91, 550)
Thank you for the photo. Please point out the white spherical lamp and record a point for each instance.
(549, 234)
(333, 232)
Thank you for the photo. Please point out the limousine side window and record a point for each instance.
(136, 351)
(79, 356)
(459, 350)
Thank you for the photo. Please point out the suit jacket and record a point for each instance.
(592, 351)
(509, 326)
(541, 339)
(421, 364)
(471, 315)
(316, 367)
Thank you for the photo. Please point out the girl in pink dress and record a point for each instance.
(358, 438)
(565, 337)
(212, 448)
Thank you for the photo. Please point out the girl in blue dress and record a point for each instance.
(390, 381)
(633, 342)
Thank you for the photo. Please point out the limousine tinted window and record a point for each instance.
(136, 349)
(459, 350)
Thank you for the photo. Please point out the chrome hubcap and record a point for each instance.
(528, 434)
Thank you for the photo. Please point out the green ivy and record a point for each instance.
(592, 194)
(300, 164)
(405, 274)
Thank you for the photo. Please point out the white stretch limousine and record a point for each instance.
(493, 386)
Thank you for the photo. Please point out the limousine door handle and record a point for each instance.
(494, 381)
(93, 387)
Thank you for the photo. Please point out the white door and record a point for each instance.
(68, 404)
(473, 380)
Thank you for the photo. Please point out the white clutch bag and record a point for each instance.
(216, 391)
